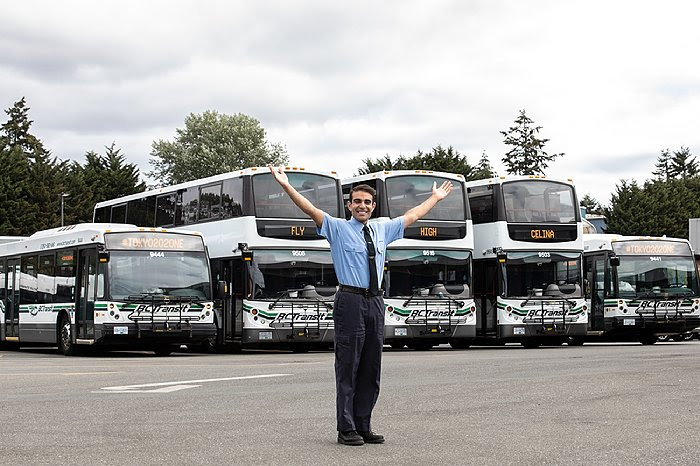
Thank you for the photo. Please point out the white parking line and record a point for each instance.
(167, 387)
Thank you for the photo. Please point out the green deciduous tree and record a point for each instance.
(527, 157)
(213, 143)
(438, 159)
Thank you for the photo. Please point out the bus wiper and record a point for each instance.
(284, 293)
(417, 292)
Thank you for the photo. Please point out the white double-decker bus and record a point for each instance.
(528, 245)
(106, 285)
(427, 279)
(273, 272)
(640, 288)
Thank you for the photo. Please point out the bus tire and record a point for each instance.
(648, 339)
(300, 348)
(397, 345)
(65, 341)
(530, 343)
(164, 350)
(575, 341)
(421, 346)
(460, 344)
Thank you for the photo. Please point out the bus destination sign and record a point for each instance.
(160, 241)
(542, 233)
(651, 248)
(301, 229)
(435, 231)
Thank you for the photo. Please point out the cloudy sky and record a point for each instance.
(612, 83)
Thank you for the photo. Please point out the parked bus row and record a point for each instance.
(500, 260)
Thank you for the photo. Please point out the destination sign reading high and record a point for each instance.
(423, 230)
(651, 248)
(143, 240)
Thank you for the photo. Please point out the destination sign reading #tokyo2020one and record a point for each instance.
(153, 240)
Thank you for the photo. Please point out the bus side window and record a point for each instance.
(190, 201)
(46, 280)
(165, 210)
(232, 198)
(65, 276)
(2, 285)
(28, 280)
(481, 204)
(102, 214)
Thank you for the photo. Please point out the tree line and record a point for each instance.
(33, 182)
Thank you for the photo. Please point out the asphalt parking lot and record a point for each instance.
(595, 404)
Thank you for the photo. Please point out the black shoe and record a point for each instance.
(371, 437)
(350, 437)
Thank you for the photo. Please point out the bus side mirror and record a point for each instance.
(614, 261)
(222, 289)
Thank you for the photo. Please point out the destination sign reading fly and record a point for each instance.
(144, 240)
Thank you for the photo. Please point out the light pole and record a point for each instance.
(63, 196)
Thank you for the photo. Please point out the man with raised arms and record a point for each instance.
(358, 249)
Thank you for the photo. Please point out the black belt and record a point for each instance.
(361, 291)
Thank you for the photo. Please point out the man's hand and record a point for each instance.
(442, 192)
(279, 175)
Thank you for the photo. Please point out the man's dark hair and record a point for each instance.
(364, 188)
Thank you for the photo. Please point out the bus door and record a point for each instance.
(85, 294)
(12, 302)
(595, 274)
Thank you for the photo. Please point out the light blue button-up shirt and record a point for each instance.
(349, 249)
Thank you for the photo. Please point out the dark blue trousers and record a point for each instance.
(359, 337)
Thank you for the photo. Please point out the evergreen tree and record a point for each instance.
(446, 160)
(31, 195)
(103, 177)
(527, 157)
(592, 206)
(210, 144)
(683, 164)
(663, 166)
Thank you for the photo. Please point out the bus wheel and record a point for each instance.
(679, 337)
(460, 344)
(65, 343)
(575, 341)
(648, 339)
(421, 346)
(300, 348)
(530, 343)
(397, 345)
(164, 350)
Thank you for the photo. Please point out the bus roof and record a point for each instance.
(507, 178)
(73, 236)
(604, 241)
(211, 179)
(382, 175)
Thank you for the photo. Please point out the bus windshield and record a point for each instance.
(543, 274)
(537, 201)
(652, 276)
(272, 202)
(169, 273)
(406, 192)
(425, 272)
(288, 273)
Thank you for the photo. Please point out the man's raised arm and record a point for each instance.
(419, 211)
(303, 203)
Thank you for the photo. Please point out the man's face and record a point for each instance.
(361, 206)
